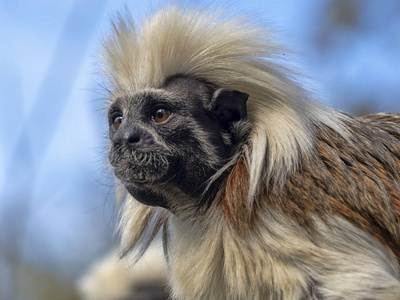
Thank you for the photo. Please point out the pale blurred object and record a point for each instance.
(112, 279)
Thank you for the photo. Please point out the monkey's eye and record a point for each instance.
(161, 115)
(117, 122)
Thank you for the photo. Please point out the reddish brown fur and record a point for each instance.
(234, 203)
(358, 180)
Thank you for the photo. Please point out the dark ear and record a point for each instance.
(229, 106)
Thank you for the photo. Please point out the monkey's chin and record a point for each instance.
(146, 195)
(142, 176)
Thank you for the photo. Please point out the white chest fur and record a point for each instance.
(278, 260)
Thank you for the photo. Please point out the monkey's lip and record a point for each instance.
(133, 178)
(141, 182)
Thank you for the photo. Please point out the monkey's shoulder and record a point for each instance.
(371, 141)
(355, 175)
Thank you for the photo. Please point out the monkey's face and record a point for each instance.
(173, 139)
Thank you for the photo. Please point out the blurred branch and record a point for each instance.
(40, 126)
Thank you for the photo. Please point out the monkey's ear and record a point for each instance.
(229, 106)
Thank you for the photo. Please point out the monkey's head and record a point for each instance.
(178, 116)
(167, 142)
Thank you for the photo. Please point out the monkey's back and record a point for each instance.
(386, 122)
(356, 178)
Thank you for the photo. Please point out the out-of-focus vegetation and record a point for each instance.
(353, 45)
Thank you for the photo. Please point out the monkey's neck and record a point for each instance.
(209, 260)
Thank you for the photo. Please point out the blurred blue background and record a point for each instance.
(56, 189)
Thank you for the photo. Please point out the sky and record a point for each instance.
(56, 195)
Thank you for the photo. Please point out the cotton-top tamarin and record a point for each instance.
(260, 191)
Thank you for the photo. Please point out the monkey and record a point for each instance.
(259, 190)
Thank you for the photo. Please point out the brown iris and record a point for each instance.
(161, 115)
(117, 122)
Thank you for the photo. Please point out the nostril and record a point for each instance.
(134, 139)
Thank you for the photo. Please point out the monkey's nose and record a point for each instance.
(133, 138)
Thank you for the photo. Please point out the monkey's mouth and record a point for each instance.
(141, 168)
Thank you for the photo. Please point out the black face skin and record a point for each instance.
(168, 141)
